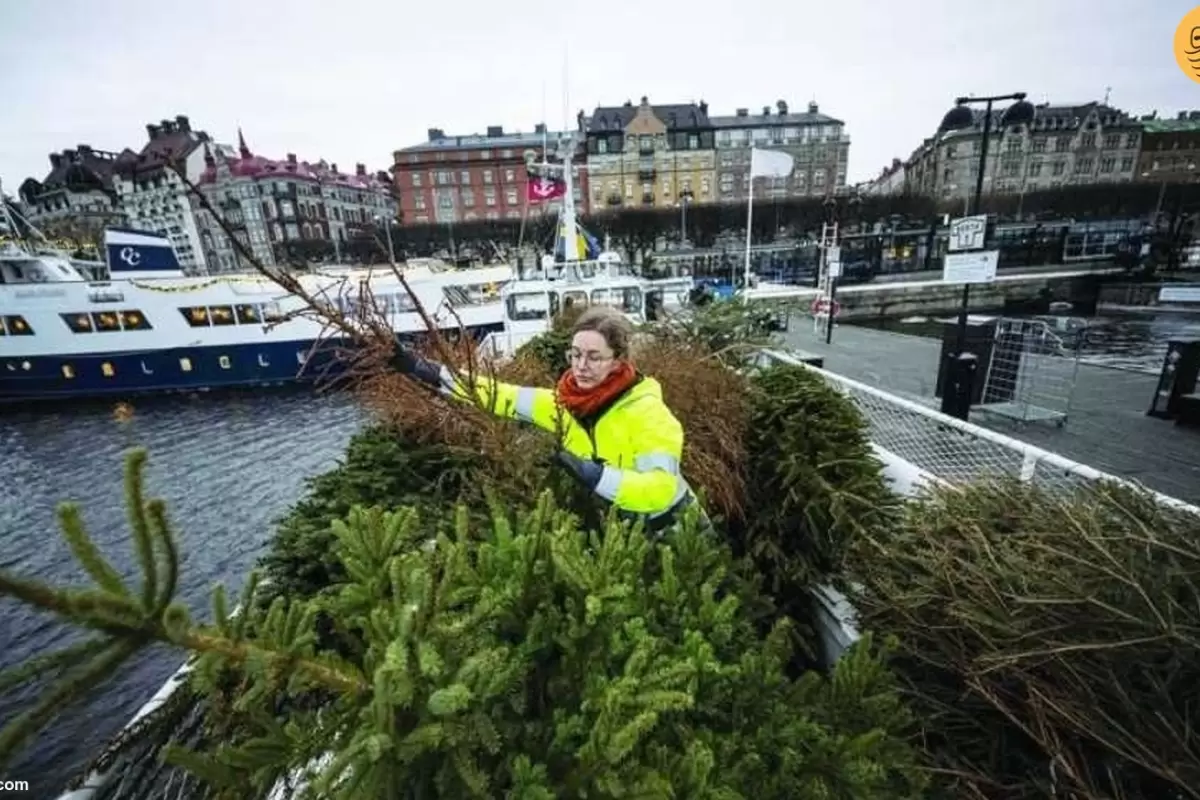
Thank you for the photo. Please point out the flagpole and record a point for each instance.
(749, 222)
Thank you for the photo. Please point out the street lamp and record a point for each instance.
(956, 392)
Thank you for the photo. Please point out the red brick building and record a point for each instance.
(481, 176)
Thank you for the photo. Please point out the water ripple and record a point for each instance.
(227, 466)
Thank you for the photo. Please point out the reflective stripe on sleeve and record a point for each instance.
(524, 405)
(663, 461)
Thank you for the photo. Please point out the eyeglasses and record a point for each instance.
(575, 357)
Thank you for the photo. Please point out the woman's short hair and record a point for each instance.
(609, 323)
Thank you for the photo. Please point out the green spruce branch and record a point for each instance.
(127, 622)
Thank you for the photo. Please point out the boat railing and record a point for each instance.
(946, 449)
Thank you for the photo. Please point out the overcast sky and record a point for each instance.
(352, 80)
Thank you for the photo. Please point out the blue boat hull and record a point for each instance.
(181, 369)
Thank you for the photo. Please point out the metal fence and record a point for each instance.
(954, 451)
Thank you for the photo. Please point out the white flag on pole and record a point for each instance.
(770, 164)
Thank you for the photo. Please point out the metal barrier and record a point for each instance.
(935, 445)
(1032, 373)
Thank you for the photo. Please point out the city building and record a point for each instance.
(817, 141)
(152, 195)
(477, 176)
(1067, 145)
(649, 156)
(269, 203)
(77, 200)
(892, 180)
(1170, 148)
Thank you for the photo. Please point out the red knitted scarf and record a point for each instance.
(583, 403)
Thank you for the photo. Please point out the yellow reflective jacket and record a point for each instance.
(637, 439)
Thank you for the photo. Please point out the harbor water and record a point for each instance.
(227, 465)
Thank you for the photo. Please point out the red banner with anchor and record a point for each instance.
(540, 189)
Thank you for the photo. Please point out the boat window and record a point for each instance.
(627, 300)
(107, 370)
(106, 321)
(573, 300)
(79, 323)
(404, 302)
(221, 315)
(134, 320)
(456, 296)
(528, 306)
(185, 364)
(197, 316)
(17, 326)
(271, 312)
(247, 315)
(68, 371)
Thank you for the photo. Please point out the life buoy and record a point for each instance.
(821, 306)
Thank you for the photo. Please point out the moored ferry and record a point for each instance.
(149, 328)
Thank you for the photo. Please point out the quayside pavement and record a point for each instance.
(1106, 428)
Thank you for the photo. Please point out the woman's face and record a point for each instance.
(591, 359)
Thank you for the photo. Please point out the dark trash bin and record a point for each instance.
(980, 342)
(1178, 378)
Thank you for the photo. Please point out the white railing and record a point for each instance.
(934, 444)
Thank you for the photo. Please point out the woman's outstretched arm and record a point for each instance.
(527, 403)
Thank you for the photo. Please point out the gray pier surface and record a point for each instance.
(1107, 427)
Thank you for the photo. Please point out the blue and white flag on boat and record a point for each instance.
(142, 254)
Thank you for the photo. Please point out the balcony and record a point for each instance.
(647, 173)
(648, 199)
(614, 200)
(646, 148)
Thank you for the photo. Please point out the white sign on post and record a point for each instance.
(833, 262)
(976, 267)
(968, 233)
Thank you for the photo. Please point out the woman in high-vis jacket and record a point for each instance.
(616, 434)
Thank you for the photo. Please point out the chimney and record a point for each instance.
(55, 160)
(333, 168)
(743, 112)
(579, 119)
(360, 169)
(84, 149)
(183, 124)
(629, 104)
(151, 130)
(539, 128)
(645, 100)
(168, 126)
(495, 130)
(291, 158)
(703, 107)
(1181, 115)
(436, 134)
(68, 155)
(782, 106)
(812, 107)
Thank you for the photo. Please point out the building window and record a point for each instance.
(185, 364)
(17, 326)
(511, 197)
(68, 371)
(107, 370)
